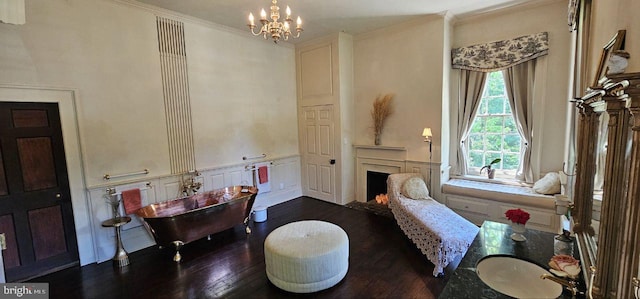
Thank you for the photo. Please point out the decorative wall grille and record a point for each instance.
(177, 103)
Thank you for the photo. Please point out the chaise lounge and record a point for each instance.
(441, 234)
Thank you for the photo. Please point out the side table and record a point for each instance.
(120, 259)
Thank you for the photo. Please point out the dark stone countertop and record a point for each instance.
(492, 239)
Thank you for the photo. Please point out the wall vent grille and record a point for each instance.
(177, 102)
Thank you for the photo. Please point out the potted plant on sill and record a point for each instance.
(490, 171)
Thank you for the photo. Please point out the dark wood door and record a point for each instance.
(35, 201)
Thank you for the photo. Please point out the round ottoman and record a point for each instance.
(306, 256)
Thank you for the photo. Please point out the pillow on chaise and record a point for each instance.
(549, 184)
(415, 188)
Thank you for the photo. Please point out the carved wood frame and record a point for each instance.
(617, 259)
(616, 43)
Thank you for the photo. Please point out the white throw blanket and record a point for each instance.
(441, 234)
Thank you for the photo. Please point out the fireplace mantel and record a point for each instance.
(385, 159)
(381, 152)
(380, 147)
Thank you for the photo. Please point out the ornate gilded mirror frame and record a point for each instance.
(590, 108)
(616, 257)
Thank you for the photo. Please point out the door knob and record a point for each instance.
(332, 161)
(58, 195)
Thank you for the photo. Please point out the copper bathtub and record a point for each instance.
(179, 221)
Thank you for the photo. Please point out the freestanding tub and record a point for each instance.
(179, 221)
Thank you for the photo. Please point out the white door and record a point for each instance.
(318, 161)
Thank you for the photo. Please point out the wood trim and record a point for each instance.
(613, 198)
(618, 256)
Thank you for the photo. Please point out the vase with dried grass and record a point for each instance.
(382, 109)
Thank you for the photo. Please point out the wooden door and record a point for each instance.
(318, 152)
(36, 216)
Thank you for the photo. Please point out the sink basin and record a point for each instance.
(516, 278)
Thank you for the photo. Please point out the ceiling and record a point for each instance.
(322, 17)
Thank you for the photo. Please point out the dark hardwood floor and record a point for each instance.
(383, 263)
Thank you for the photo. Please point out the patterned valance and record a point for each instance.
(499, 55)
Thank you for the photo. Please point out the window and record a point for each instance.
(494, 133)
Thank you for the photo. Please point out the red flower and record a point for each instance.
(517, 216)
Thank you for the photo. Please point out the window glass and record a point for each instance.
(494, 132)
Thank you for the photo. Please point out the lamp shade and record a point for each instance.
(427, 133)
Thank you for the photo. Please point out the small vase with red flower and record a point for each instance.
(518, 220)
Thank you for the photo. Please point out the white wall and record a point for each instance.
(412, 60)
(406, 60)
(607, 18)
(243, 96)
(550, 113)
(447, 27)
(242, 87)
(347, 184)
(107, 52)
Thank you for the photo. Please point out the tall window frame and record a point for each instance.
(494, 132)
(518, 59)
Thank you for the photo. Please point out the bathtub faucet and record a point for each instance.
(190, 187)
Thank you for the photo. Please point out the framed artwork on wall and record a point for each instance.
(614, 45)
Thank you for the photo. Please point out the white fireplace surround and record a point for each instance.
(390, 159)
(383, 159)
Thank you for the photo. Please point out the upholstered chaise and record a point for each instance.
(440, 233)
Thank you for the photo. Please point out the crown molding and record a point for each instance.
(500, 10)
(190, 19)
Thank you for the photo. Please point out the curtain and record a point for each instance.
(499, 55)
(519, 82)
(471, 86)
(517, 58)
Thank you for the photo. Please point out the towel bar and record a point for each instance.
(253, 167)
(253, 158)
(113, 176)
(112, 190)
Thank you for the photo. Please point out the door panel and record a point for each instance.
(326, 144)
(36, 162)
(3, 178)
(27, 118)
(10, 255)
(37, 216)
(318, 142)
(311, 140)
(46, 232)
(327, 180)
(312, 174)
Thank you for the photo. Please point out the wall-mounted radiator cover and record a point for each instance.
(177, 103)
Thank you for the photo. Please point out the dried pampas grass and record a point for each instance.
(382, 109)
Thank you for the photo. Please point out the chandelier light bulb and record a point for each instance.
(299, 22)
(263, 14)
(251, 22)
(288, 11)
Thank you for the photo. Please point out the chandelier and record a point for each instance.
(278, 30)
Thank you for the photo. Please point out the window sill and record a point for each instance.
(493, 190)
(499, 181)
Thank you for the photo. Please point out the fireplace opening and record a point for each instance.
(376, 186)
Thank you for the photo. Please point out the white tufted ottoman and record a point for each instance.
(306, 256)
